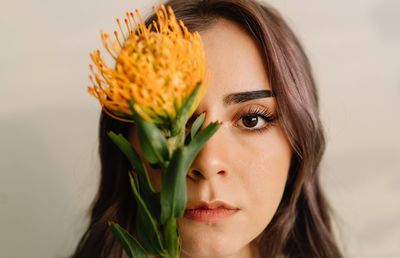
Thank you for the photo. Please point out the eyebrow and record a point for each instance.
(240, 97)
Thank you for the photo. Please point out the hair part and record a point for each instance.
(301, 226)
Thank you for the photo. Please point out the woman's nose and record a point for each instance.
(211, 160)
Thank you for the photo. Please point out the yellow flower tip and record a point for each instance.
(90, 91)
(169, 8)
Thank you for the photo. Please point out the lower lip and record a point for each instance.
(209, 215)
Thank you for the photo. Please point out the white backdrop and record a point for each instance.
(48, 123)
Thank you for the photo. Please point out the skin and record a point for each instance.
(245, 168)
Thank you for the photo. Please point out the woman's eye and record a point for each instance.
(253, 121)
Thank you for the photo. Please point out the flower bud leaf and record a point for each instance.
(201, 138)
(187, 110)
(146, 225)
(152, 142)
(197, 125)
(130, 244)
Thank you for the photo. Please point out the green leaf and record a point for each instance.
(197, 125)
(146, 225)
(152, 141)
(173, 191)
(146, 188)
(201, 138)
(125, 146)
(172, 238)
(184, 113)
(130, 244)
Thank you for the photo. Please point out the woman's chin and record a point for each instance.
(203, 246)
(194, 250)
(204, 240)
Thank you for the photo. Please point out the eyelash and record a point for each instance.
(257, 111)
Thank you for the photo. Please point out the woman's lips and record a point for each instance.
(208, 214)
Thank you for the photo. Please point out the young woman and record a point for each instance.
(262, 164)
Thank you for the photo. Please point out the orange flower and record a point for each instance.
(157, 67)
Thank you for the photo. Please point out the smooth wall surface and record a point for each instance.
(48, 123)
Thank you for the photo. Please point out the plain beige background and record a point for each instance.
(48, 123)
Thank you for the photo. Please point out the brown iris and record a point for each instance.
(250, 121)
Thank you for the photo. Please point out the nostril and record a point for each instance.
(196, 174)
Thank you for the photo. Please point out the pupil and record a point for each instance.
(250, 121)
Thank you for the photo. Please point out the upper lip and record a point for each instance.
(210, 205)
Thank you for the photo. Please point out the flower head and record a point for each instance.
(157, 66)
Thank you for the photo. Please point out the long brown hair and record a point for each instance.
(301, 226)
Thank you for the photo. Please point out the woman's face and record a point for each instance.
(246, 162)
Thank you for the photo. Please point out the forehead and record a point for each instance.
(234, 60)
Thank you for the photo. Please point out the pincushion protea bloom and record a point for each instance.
(157, 67)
